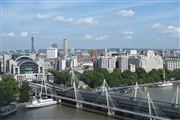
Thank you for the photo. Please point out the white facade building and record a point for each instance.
(52, 53)
(133, 52)
(132, 68)
(151, 63)
(62, 64)
(65, 47)
(122, 62)
(103, 62)
(172, 64)
(148, 62)
(23, 67)
(107, 62)
(112, 63)
(74, 61)
(150, 54)
(48, 66)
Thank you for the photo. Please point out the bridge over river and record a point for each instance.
(112, 104)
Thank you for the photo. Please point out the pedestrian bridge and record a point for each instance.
(114, 105)
(110, 103)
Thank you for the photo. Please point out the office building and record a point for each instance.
(52, 53)
(122, 63)
(172, 63)
(93, 53)
(148, 62)
(65, 47)
(132, 68)
(108, 63)
(62, 64)
(133, 52)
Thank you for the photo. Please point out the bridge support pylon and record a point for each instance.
(73, 80)
(79, 105)
(177, 96)
(58, 101)
(110, 112)
(149, 104)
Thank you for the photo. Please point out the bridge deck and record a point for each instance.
(125, 104)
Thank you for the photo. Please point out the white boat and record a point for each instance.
(40, 102)
(35, 103)
(165, 84)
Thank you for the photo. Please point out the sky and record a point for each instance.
(90, 24)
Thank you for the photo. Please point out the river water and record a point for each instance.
(61, 112)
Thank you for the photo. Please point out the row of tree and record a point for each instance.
(94, 78)
(9, 91)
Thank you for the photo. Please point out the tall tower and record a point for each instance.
(65, 47)
(32, 44)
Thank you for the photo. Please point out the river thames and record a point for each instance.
(61, 112)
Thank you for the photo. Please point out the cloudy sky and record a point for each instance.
(90, 24)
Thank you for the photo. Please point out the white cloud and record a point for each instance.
(82, 21)
(169, 29)
(42, 16)
(23, 34)
(156, 26)
(88, 37)
(172, 29)
(127, 32)
(10, 34)
(86, 21)
(125, 13)
(97, 38)
(63, 19)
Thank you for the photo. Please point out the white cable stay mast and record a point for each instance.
(176, 97)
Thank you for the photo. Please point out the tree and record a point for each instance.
(8, 90)
(129, 77)
(169, 74)
(61, 77)
(115, 78)
(93, 78)
(103, 71)
(177, 74)
(141, 73)
(155, 75)
(24, 92)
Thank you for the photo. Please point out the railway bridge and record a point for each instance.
(113, 104)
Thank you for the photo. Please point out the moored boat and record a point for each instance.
(165, 84)
(40, 102)
(35, 102)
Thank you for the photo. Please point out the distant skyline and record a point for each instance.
(90, 24)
